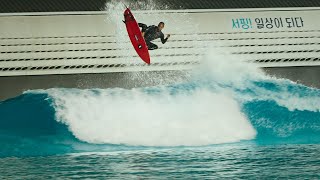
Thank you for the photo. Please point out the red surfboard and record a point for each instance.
(135, 36)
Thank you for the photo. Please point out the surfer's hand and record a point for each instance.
(168, 36)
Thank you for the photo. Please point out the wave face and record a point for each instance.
(224, 101)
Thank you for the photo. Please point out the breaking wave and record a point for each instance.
(223, 102)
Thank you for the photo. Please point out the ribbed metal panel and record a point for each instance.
(217, 4)
(10, 6)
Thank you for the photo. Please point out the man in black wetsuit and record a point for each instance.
(151, 33)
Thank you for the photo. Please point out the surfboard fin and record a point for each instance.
(125, 5)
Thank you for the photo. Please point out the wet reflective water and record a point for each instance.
(245, 161)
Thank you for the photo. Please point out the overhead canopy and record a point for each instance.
(11, 6)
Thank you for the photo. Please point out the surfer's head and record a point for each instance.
(160, 26)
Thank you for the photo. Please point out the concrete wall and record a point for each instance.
(96, 42)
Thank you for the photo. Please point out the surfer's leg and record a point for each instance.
(152, 46)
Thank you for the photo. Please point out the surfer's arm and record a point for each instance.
(163, 40)
(143, 26)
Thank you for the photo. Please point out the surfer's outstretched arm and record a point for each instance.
(164, 40)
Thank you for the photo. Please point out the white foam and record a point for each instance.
(208, 114)
(231, 71)
(134, 117)
(219, 67)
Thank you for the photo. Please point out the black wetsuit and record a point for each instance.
(151, 33)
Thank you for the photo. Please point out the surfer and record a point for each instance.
(151, 33)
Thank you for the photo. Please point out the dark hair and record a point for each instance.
(161, 23)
